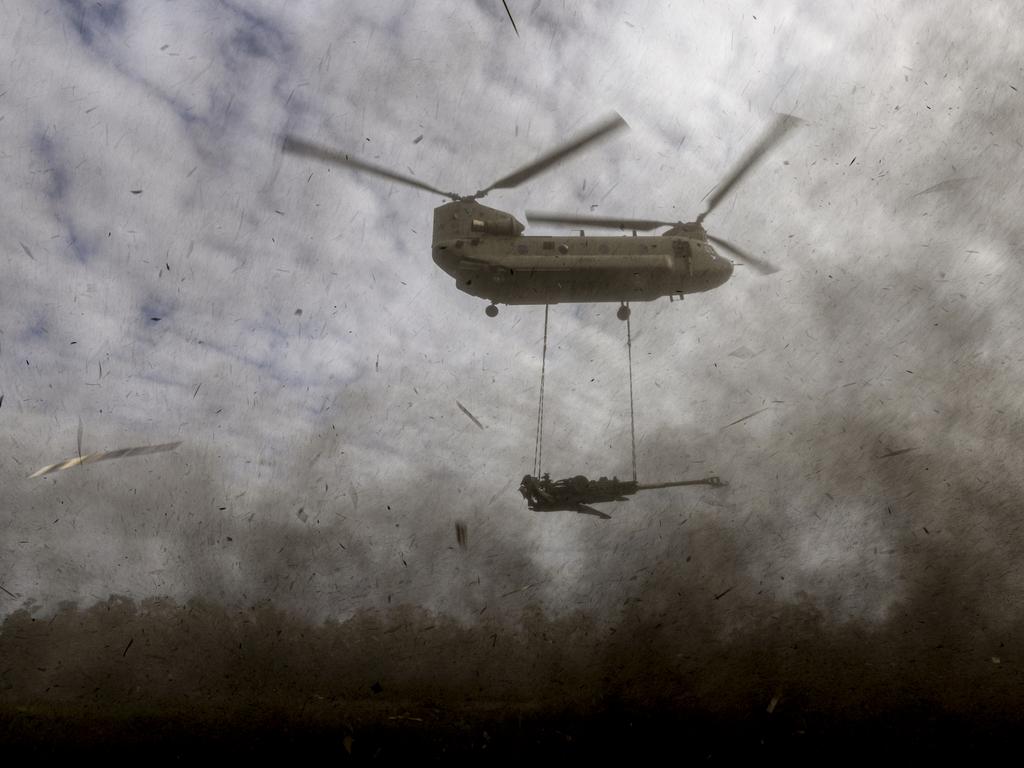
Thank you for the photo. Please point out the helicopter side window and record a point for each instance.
(478, 225)
(549, 245)
(522, 249)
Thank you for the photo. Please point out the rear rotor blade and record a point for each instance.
(545, 161)
(297, 146)
(782, 125)
(596, 221)
(762, 266)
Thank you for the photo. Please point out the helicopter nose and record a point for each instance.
(721, 270)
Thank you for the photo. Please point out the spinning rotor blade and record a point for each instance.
(297, 146)
(596, 221)
(762, 266)
(544, 162)
(783, 123)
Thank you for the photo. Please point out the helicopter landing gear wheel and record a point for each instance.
(623, 313)
(492, 310)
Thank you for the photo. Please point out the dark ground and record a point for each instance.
(195, 679)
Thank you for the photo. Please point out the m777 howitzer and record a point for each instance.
(575, 494)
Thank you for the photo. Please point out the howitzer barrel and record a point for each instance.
(712, 481)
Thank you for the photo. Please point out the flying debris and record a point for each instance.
(743, 353)
(899, 452)
(514, 27)
(471, 416)
(945, 186)
(91, 458)
(744, 418)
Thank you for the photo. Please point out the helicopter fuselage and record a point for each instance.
(484, 250)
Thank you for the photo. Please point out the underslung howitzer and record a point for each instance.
(575, 494)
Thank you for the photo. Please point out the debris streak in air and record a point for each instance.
(896, 453)
(510, 17)
(748, 416)
(90, 458)
(471, 416)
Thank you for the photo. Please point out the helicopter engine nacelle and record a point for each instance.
(502, 225)
(469, 219)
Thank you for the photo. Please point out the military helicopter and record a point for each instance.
(485, 250)
(576, 494)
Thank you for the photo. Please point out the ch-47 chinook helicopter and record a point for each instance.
(486, 252)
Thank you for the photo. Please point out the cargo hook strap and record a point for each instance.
(538, 450)
(538, 446)
(632, 419)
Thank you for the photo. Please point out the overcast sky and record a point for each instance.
(170, 276)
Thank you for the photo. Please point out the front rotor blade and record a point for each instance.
(762, 266)
(297, 146)
(545, 161)
(783, 123)
(595, 221)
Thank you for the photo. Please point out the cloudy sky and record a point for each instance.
(169, 276)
